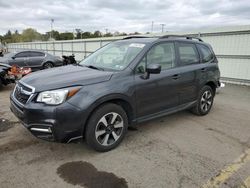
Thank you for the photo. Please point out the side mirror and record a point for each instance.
(13, 57)
(152, 69)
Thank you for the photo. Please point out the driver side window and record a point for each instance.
(162, 54)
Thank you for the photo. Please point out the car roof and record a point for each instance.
(30, 51)
(140, 39)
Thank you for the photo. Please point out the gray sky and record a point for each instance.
(121, 15)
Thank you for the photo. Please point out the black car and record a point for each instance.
(36, 60)
(125, 82)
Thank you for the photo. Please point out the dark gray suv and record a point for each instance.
(36, 60)
(124, 83)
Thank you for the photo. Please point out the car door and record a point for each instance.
(20, 59)
(35, 59)
(159, 92)
(189, 66)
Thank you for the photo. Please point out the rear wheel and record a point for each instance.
(106, 127)
(204, 102)
(48, 65)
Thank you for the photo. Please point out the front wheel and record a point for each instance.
(204, 102)
(106, 127)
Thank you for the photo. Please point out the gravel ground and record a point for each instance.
(180, 150)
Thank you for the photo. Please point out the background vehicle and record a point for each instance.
(34, 59)
(67, 60)
(9, 74)
(124, 83)
(5, 79)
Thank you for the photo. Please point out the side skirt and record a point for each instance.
(164, 112)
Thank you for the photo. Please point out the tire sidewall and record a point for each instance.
(93, 121)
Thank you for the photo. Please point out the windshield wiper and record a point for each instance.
(94, 67)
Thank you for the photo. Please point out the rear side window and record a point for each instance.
(188, 53)
(36, 54)
(206, 53)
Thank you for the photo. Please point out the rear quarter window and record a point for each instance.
(37, 54)
(206, 54)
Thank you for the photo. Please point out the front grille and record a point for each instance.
(22, 93)
(25, 87)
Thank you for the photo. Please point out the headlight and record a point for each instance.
(56, 97)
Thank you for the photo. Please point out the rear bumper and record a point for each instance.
(53, 123)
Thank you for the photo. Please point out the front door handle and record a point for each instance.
(176, 76)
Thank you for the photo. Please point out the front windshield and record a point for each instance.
(114, 56)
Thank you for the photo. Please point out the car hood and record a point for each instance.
(65, 76)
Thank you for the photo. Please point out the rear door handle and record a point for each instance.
(176, 76)
(203, 70)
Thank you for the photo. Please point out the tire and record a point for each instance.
(1, 84)
(103, 133)
(48, 65)
(204, 102)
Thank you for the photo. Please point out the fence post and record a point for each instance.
(62, 47)
(85, 49)
(53, 44)
(72, 47)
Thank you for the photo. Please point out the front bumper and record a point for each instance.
(60, 123)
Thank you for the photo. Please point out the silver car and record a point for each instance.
(36, 60)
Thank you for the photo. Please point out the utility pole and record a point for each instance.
(162, 27)
(152, 27)
(51, 25)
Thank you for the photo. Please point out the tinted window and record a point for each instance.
(162, 54)
(36, 54)
(206, 53)
(188, 53)
(22, 54)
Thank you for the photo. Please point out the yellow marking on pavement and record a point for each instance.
(226, 173)
(246, 183)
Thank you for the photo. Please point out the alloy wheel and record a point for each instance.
(206, 101)
(109, 129)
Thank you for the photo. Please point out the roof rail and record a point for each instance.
(131, 37)
(181, 36)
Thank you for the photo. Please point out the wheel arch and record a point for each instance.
(212, 85)
(48, 61)
(118, 100)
